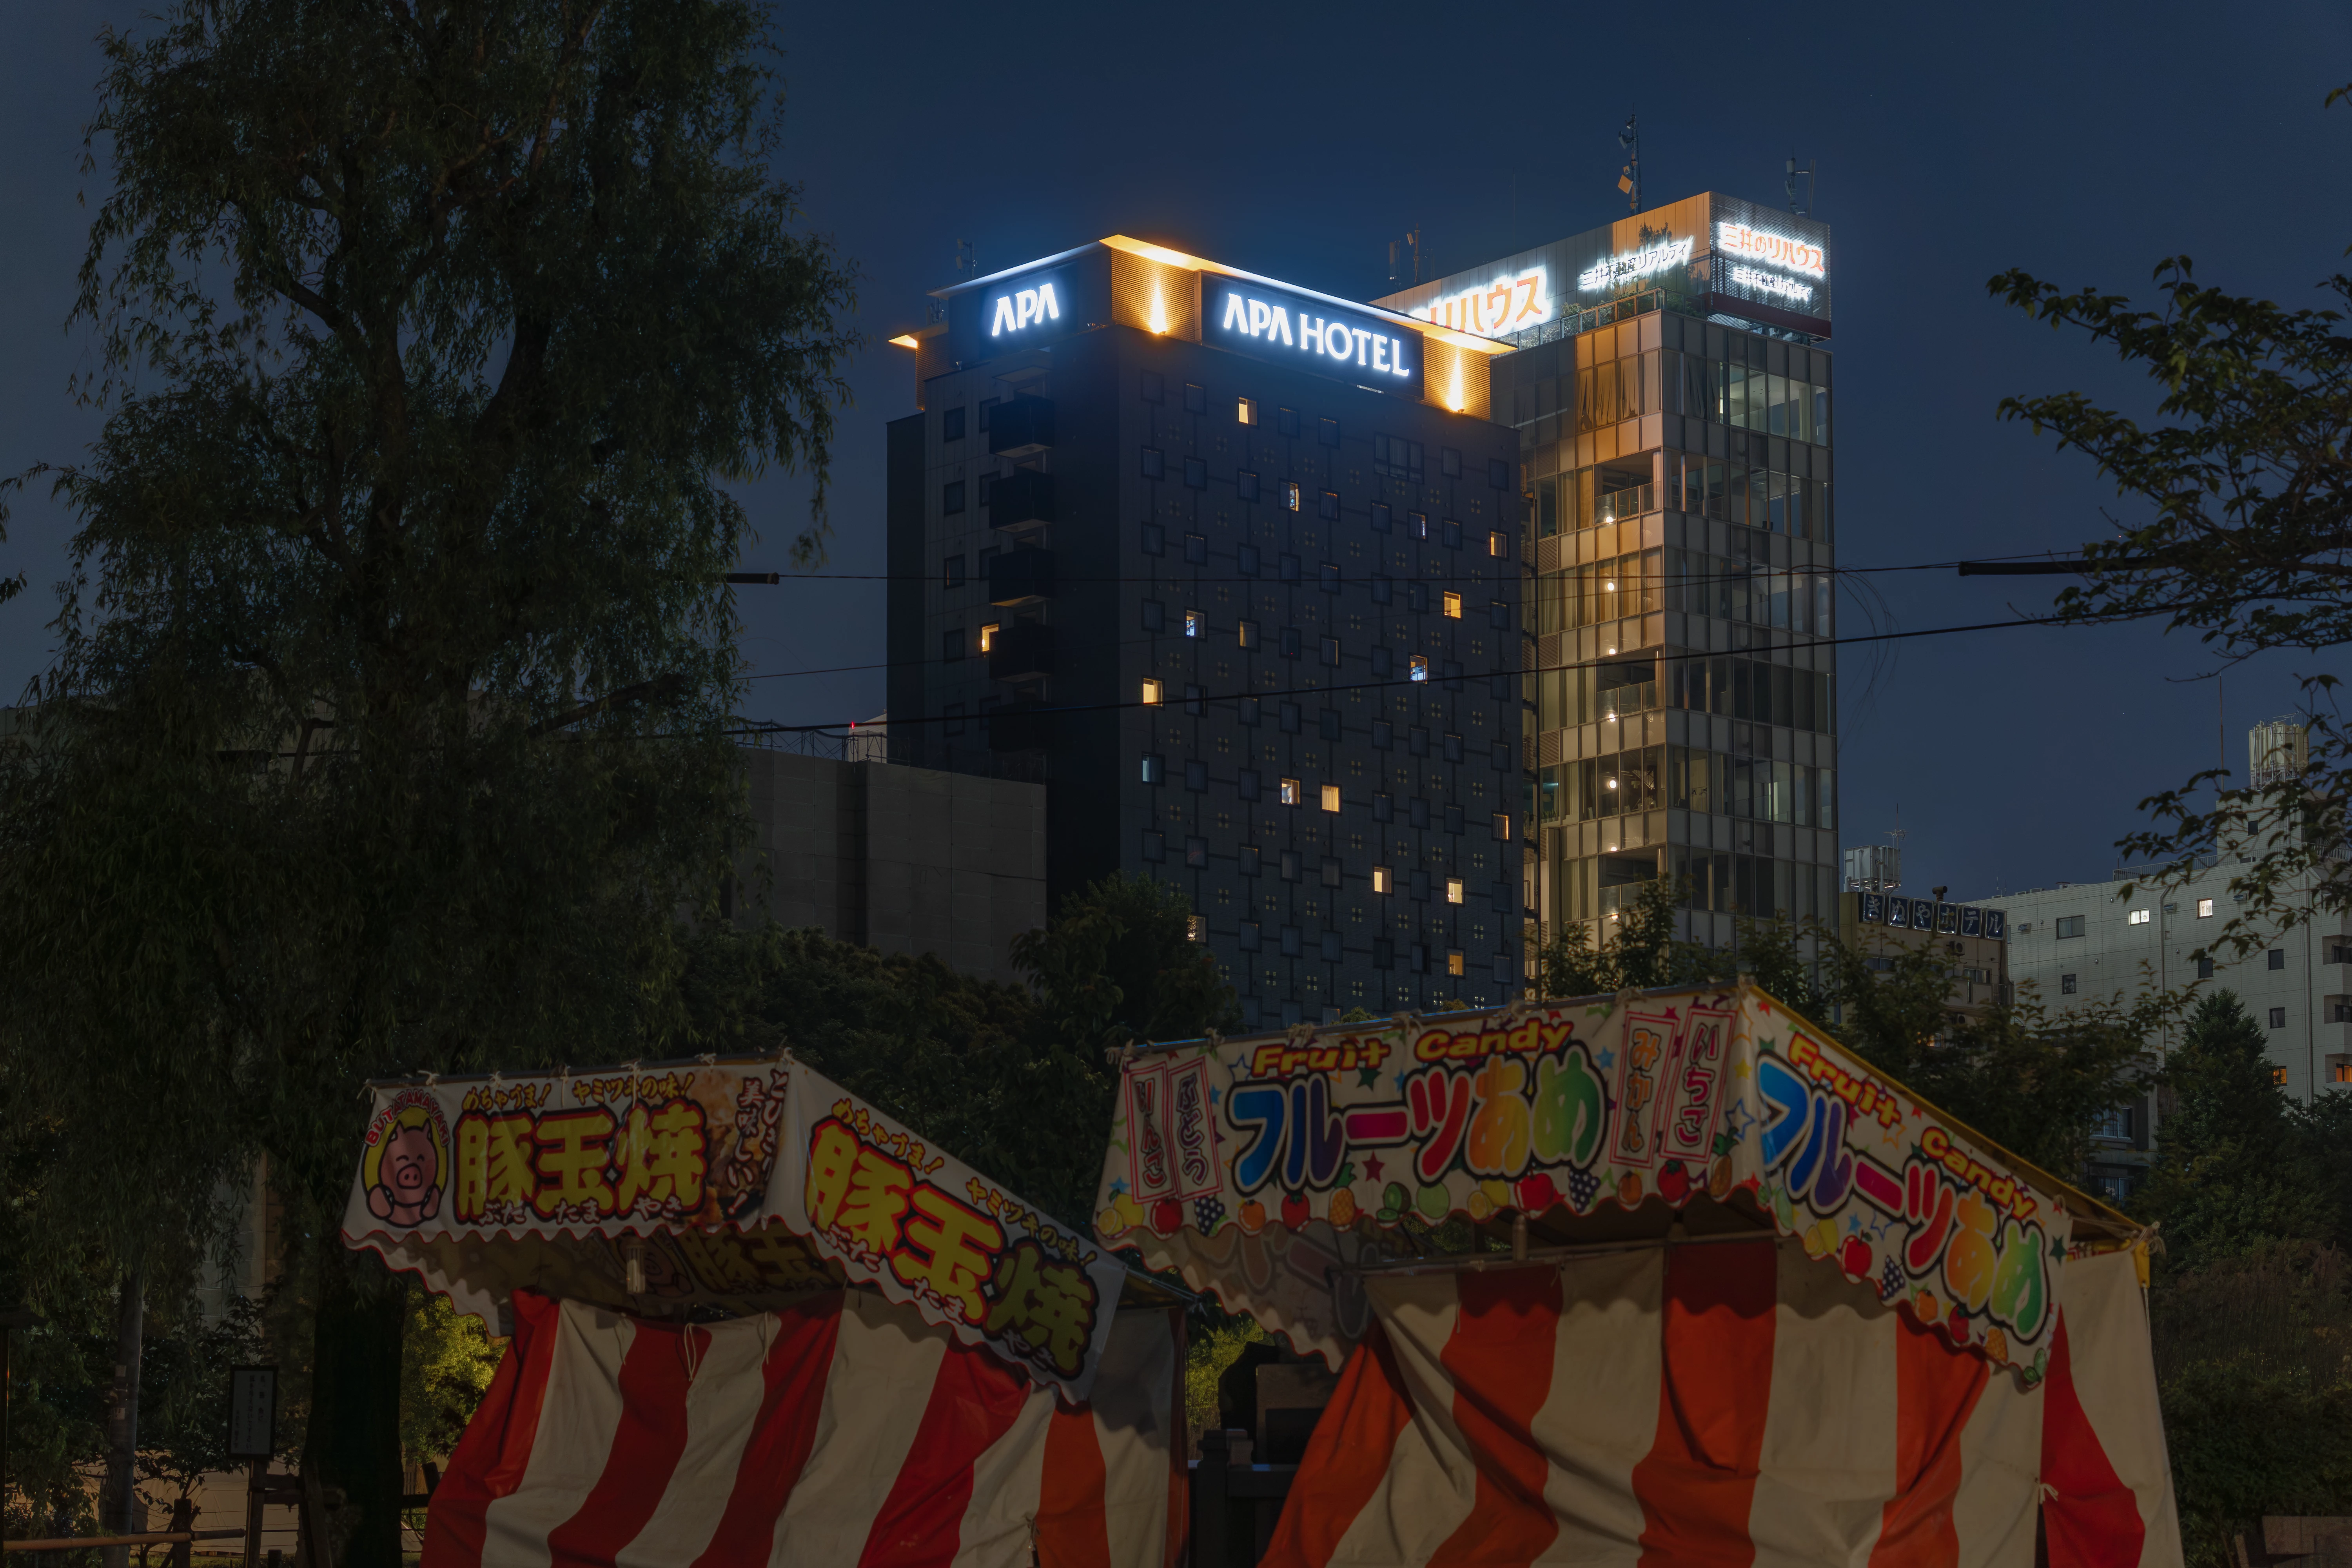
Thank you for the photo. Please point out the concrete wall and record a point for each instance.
(903, 859)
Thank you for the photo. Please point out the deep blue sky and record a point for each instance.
(1954, 143)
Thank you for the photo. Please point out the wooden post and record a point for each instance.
(253, 1514)
(1208, 1481)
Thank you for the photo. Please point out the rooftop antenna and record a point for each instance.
(1629, 178)
(1811, 178)
(967, 260)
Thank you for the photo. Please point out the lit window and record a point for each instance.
(1381, 882)
(1249, 634)
(1454, 606)
(2278, 1076)
(1290, 497)
(2339, 1072)
(2141, 917)
(1197, 927)
(1151, 769)
(1420, 667)
(1289, 795)
(1330, 797)
(2204, 909)
(1150, 693)
(1248, 411)
(1195, 623)
(988, 637)
(1453, 889)
(1453, 962)
(1498, 544)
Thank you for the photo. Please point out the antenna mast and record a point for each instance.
(1629, 178)
(1811, 178)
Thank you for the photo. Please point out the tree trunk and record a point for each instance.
(122, 1495)
(353, 1441)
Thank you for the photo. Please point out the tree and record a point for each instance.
(394, 665)
(2232, 1173)
(2241, 532)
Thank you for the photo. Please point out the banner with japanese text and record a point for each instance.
(1273, 1170)
(727, 1185)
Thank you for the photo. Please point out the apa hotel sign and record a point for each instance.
(1300, 330)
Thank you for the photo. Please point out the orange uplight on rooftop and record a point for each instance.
(906, 341)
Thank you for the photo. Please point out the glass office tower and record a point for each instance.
(1674, 409)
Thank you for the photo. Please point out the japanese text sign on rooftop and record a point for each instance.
(1269, 1170)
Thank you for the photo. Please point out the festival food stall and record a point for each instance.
(1657, 1279)
(754, 1319)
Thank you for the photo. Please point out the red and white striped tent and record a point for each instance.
(1725, 1402)
(842, 1430)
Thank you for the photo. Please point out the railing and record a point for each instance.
(1631, 502)
(859, 744)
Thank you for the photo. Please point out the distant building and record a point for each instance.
(1965, 937)
(899, 858)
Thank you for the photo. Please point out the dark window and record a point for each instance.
(1502, 756)
(1416, 597)
(953, 714)
(1155, 465)
(1245, 560)
(1249, 714)
(1246, 786)
(1451, 535)
(1196, 776)
(1383, 808)
(1419, 815)
(1192, 701)
(1331, 879)
(1416, 741)
(2066, 985)
(951, 644)
(1290, 865)
(1286, 568)
(1155, 387)
(1290, 944)
(1196, 851)
(1286, 421)
(1498, 614)
(1383, 732)
(1154, 771)
(1196, 474)
(952, 572)
(1154, 615)
(1416, 525)
(1246, 485)
(2278, 958)
(1453, 819)
(1328, 432)
(988, 489)
(1381, 518)
(1383, 591)
(1420, 888)
(1498, 474)
(2070, 925)
(1249, 936)
(1196, 549)
(1155, 541)
(1382, 666)
(951, 497)
(987, 408)
(1155, 845)
(1383, 953)
(1449, 463)
(1249, 858)
(1453, 748)
(1498, 686)
(1288, 714)
(1329, 507)
(2204, 969)
(1328, 578)
(1291, 643)
(2278, 1017)
(951, 424)
(1196, 398)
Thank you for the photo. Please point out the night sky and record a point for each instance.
(1954, 143)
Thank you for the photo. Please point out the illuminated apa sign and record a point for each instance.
(1772, 283)
(1772, 250)
(1274, 323)
(1017, 309)
(1627, 266)
(1506, 305)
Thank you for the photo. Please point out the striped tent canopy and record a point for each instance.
(1724, 1402)
(844, 1429)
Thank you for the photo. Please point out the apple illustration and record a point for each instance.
(1854, 1258)
(1294, 1212)
(1535, 1193)
(1167, 1216)
(1674, 1182)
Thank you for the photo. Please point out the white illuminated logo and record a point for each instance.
(1025, 308)
(1774, 249)
(1607, 273)
(1270, 324)
(1505, 305)
(1772, 283)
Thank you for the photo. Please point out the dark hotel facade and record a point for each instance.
(1673, 405)
(1398, 636)
(1234, 570)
